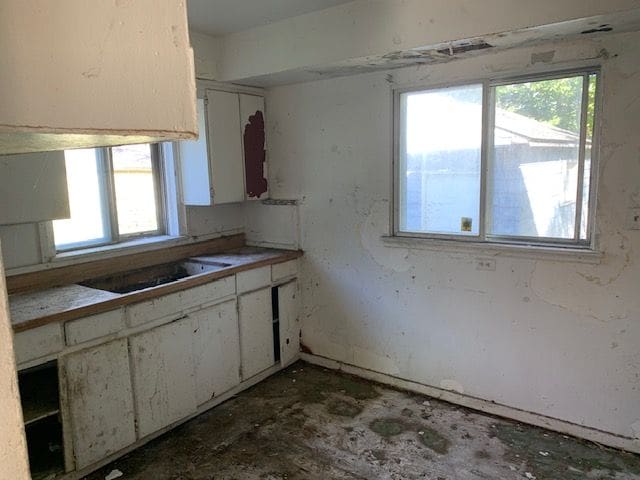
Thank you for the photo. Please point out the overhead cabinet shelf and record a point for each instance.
(227, 163)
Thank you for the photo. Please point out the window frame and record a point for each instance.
(109, 205)
(488, 113)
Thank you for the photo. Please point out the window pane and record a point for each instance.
(88, 224)
(440, 158)
(533, 166)
(586, 190)
(135, 189)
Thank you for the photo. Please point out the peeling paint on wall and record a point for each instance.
(375, 225)
(525, 335)
(255, 155)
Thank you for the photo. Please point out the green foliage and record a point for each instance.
(555, 102)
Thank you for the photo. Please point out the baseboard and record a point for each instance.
(561, 426)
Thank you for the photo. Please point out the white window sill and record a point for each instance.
(562, 254)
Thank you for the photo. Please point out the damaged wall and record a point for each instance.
(13, 446)
(555, 337)
(366, 29)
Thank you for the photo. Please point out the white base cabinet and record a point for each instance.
(256, 332)
(217, 350)
(164, 375)
(100, 401)
(172, 358)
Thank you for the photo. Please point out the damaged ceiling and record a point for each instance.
(458, 49)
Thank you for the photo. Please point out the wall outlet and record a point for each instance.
(488, 264)
(633, 219)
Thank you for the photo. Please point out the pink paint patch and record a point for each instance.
(255, 155)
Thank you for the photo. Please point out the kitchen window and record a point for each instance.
(502, 161)
(115, 195)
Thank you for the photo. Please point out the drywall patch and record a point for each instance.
(255, 155)
(600, 292)
(371, 231)
(542, 57)
(374, 361)
(451, 385)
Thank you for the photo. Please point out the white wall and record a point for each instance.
(13, 449)
(100, 69)
(206, 53)
(21, 243)
(558, 338)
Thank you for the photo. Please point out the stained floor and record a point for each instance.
(310, 423)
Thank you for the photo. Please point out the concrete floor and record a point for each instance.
(311, 423)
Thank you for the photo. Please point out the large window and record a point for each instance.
(115, 194)
(498, 161)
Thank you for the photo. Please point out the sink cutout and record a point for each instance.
(149, 277)
(194, 266)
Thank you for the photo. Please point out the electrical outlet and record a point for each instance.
(633, 219)
(488, 264)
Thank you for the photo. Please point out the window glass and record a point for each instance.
(88, 224)
(534, 162)
(586, 186)
(135, 189)
(530, 184)
(440, 161)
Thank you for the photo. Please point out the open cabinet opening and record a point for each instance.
(39, 393)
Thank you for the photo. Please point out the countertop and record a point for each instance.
(34, 309)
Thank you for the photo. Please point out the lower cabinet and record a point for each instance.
(164, 375)
(256, 332)
(216, 350)
(100, 401)
(127, 389)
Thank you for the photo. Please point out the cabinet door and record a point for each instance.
(163, 375)
(256, 332)
(216, 350)
(252, 122)
(289, 322)
(100, 401)
(37, 190)
(194, 163)
(225, 147)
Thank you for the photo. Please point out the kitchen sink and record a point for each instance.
(140, 279)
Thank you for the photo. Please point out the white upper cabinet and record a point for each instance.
(225, 146)
(227, 163)
(194, 166)
(34, 188)
(83, 74)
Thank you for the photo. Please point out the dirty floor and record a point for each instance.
(310, 423)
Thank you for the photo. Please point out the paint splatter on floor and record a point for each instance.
(315, 424)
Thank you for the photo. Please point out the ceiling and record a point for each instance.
(220, 17)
